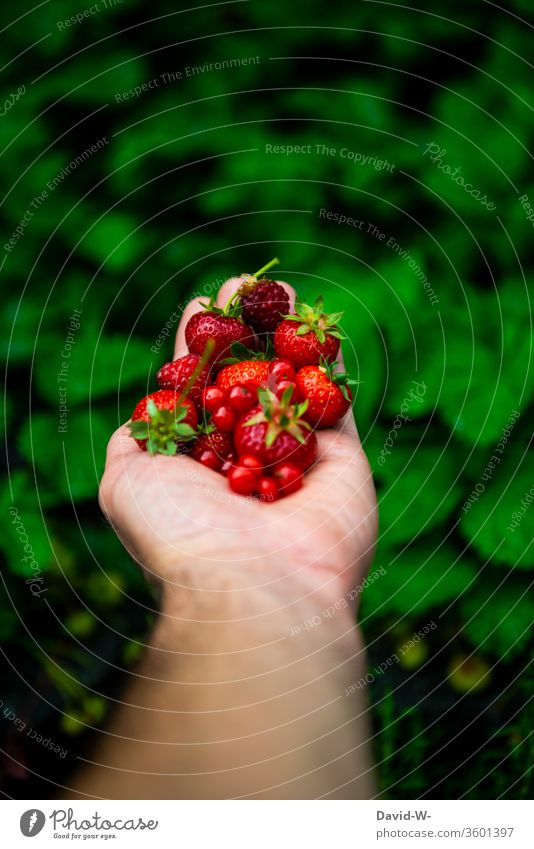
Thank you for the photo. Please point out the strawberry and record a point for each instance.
(163, 420)
(212, 448)
(251, 373)
(328, 394)
(223, 326)
(309, 336)
(275, 431)
(175, 375)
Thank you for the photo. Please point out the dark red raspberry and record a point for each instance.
(265, 306)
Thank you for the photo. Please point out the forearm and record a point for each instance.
(227, 703)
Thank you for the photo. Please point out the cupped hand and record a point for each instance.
(182, 523)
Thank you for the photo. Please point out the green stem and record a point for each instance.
(265, 268)
(205, 358)
(235, 297)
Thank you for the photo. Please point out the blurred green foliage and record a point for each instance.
(187, 189)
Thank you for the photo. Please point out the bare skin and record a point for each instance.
(237, 697)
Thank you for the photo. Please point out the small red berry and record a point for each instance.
(281, 387)
(210, 459)
(249, 461)
(241, 399)
(212, 398)
(267, 489)
(288, 478)
(281, 370)
(228, 464)
(224, 418)
(243, 481)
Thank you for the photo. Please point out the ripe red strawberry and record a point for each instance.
(163, 420)
(309, 336)
(176, 374)
(225, 330)
(251, 373)
(329, 396)
(221, 445)
(275, 431)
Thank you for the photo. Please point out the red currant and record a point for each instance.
(241, 399)
(210, 459)
(288, 477)
(267, 489)
(224, 418)
(242, 481)
(229, 462)
(212, 398)
(282, 370)
(248, 461)
(281, 387)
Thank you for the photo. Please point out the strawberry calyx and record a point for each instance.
(240, 354)
(232, 309)
(339, 378)
(314, 319)
(280, 414)
(164, 430)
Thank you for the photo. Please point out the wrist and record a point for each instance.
(230, 607)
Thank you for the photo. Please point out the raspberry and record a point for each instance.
(265, 306)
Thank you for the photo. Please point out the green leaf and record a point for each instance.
(416, 580)
(95, 367)
(497, 519)
(68, 463)
(489, 370)
(421, 486)
(499, 614)
(23, 524)
(304, 328)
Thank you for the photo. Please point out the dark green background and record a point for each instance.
(183, 193)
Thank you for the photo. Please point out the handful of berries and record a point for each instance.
(255, 385)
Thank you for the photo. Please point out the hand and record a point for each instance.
(183, 524)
